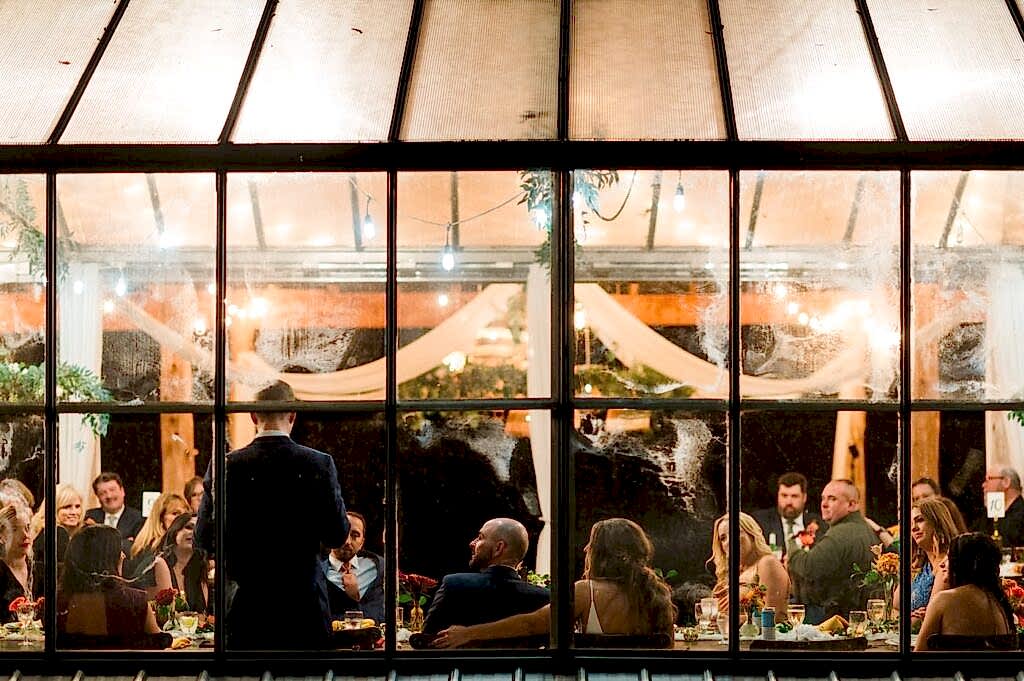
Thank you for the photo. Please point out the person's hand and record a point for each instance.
(452, 637)
(942, 574)
(919, 613)
(348, 580)
(88, 521)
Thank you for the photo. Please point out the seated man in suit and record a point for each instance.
(112, 511)
(494, 590)
(790, 516)
(355, 578)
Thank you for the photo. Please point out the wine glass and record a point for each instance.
(876, 611)
(796, 614)
(703, 617)
(709, 606)
(26, 613)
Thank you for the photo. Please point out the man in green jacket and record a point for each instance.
(821, 575)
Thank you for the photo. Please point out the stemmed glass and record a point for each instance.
(796, 614)
(26, 613)
(876, 611)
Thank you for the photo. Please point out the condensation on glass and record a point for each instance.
(955, 67)
(169, 73)
(819, 267)
(474, 291)
(652, 283)
(470, 467)
(328, 72)
(22, 279)
(678, 459)
(306, 272)
(135, 287)
(485, 70)
(46, 47)
(802, 71)
(968, 230)
(647, 74)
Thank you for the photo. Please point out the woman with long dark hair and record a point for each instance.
(181, 565)
(975, 604)
(619, 593)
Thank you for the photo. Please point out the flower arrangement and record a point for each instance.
(806, 536)
(166, 604)
(754, 597)
(412, 587)
(21, 600)
(538, 579)
(884, 574)
(1015, 594)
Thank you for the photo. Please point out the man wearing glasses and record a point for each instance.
(1011, 525)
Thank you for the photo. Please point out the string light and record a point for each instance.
(447, 255)
(679, 200)
(121, 287)
(541, 216)
(442, 300)
(369, 227)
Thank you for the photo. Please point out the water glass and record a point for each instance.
(353, 618)
(722, 621)
(796, 614)
(703, 617)
(189, 622)
(858, 622)
(876, 611)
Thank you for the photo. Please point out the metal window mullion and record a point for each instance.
(52, 357)
(262, 29)
(564, 54)
(405, 75)
(733, 422)
(905, 431)
(391, 418)
(882, 71)
(220, 416)
(1015, 14)
(722, 66)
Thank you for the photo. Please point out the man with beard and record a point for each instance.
(355, 577)
(495, 590)
(789, 517)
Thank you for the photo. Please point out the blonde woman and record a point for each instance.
(138, 568)
(70, 519)
(758, 565)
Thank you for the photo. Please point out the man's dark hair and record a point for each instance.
(106, 476)
(793, 478)
(278, 391)
(928, 481)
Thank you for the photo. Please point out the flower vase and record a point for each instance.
(750, 628)
(887, 595)
(416, 617)
(164, 614)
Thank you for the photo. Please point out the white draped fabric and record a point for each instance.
(1004, 364)
(81, 335)
(538, 384)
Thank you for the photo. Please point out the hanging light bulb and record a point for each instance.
(121, 287)
(541, 216)
(369, 227)
(679, 200)
(447, 254)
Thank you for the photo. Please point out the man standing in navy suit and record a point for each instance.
(283, 501)
(112, 510)
(494, 590)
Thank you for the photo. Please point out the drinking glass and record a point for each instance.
(876, 611)
(796, 614)
(353, 618)
(189, 622)
(26, 613)
(710, 606)
(722, 621)
(703, 617)
(858, 622)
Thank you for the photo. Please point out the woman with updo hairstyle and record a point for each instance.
(93, 599)
(975, 604)
(619, 594)
(15, 551)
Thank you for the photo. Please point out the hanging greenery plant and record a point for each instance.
(25, 383)
(18, 222)
(1017, 416)
(637, 381)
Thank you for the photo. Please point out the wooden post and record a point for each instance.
(924, 426)
(241, 339)
(177, 431)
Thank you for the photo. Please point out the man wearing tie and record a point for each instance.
(112, 511)
(789, 517)
(355, 578)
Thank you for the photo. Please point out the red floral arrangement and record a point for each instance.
(413, 586)
(165, 596)
(17, 603)
(806, 536)
(1015, 594)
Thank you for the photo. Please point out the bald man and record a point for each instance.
(494, 589)
(821, 575)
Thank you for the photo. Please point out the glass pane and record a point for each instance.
(802, 70)
(484, 69)
(959, 77)
(665, 471)
(135, 285)
(973, 485)
(826, 517)
(629, 67)
(820, 289)
(652, 283)
(968, 229)
(347, 445)
(40, 72)
(22, 276)
(141, 504)
(474, 296)
(305, 299)
(485, 478)
(169, 73)
(328, 72)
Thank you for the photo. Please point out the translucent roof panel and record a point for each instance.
(802, 71)
(956, 67)
(647, 74)
(485, 70)
(169, 73)
(328, 73)
(44, 47)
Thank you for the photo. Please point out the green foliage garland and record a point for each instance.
(25, 383)
(638, 381)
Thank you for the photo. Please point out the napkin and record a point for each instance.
(809, 632)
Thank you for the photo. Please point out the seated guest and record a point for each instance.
(821, 576)
(181, 565)
(112, 510)
(931, 532)
(954, 514)
(355, 577)
(194, 491)
(790, 515)
(69, 522)
(15, 558)
(138, 567)
(619, 593)
(975, 605)
(15, 486)
(494, 590)
(1011, 525)
(758, 565)
(93, 599)
(922, 488)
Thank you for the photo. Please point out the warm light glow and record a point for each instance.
(455, 361)
(793, 307)
(283, 228)
(679, 200)
(211, 288)
(579, 319)
(803, 319)
(442, 300)
(199, 326)
(168, 239)
(78, 287)
(780, 291)
(447, 259)
(108, 306)
(369, 227)
(321, 240)
(233, 310)
(121, 287)
(587, 388)
(258, 307)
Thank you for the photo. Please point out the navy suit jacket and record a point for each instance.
(475, 597)
(283, 502)
(769, 520)
(128, 524)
